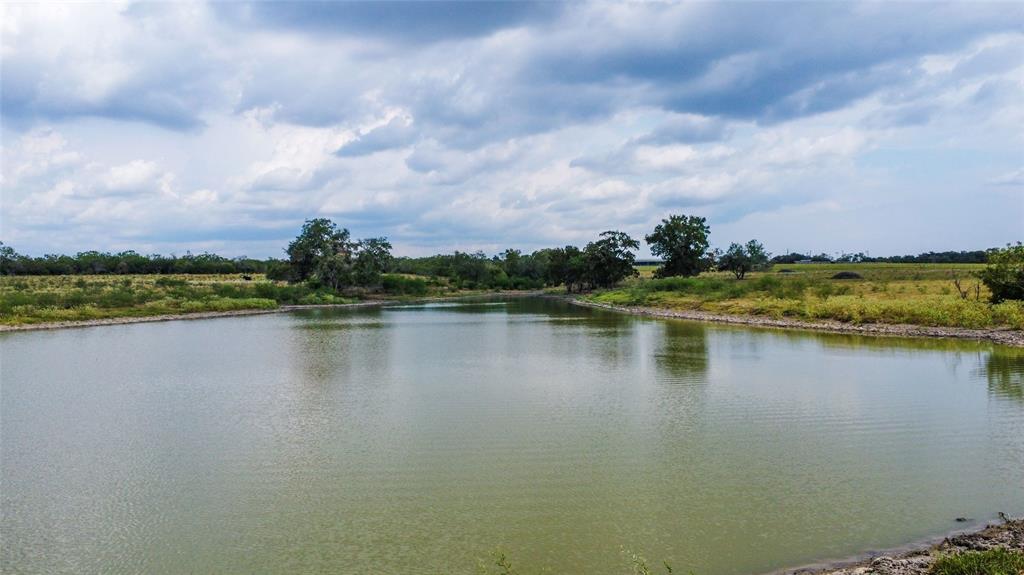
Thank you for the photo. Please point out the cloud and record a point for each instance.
(400, 21)
(1014, 178)
(63, 61)
(398, 132)
(486, 125)
(685, 128)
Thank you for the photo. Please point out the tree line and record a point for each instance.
(127, 262)
(950, 257)
(324, 255)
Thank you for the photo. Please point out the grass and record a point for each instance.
(920, 294)
(38, 299)
(991, 562)
(41, 299)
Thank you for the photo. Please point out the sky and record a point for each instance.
(888, 128)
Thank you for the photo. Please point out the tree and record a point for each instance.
(610, 259)
(372, 259)
(319, 239)
(334, 271)
(9, 260)
(759, 258)
(682, 242)
(1004, 275)
(565, 267)
(740, 259)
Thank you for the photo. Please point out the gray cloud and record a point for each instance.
(400, 21)
(397, 132)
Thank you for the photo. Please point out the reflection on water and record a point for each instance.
(1004, 369)
(682, 352)
(416, 439)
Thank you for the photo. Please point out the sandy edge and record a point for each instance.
(917, 558)
(244, 312)
(1010, 337)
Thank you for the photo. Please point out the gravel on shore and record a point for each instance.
(1008, 534)
(1004, 336)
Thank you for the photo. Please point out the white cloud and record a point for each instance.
(173, 125)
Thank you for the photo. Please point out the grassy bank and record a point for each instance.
(919, 294)
(41, 299)
(26, 300)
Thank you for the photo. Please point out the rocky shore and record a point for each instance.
(1011, 337)
(1008, 534)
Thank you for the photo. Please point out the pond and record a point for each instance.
(420, 439)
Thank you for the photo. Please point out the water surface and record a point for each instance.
(419, 439)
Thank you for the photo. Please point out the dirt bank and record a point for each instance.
(1011, 337)
(1008, 534)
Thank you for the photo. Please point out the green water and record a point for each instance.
(419, 439)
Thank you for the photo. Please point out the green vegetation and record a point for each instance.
(922, 294)
(325, 265)
(37, 299)
(602, 263)
(683, 243)
(1004, 276)
(996, 561)
(126, 263)
(742, 258)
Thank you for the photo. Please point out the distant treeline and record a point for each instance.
(128, 262)
(511, 269)
(972, 257)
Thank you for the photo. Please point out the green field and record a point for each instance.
(921, 294)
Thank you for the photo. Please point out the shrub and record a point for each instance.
(1004, 275)
(401, 285)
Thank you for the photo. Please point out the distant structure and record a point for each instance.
(804, 262)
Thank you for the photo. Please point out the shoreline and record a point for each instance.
(245, 312)
(1007, 336)
(917, 558)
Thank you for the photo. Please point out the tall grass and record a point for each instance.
(920, 294)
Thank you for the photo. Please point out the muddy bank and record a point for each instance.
(1008, 534)
(1011, 337)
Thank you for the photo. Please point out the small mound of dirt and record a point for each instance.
(847, 276)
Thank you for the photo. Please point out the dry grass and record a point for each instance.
(921, 294)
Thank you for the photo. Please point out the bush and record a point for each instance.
(401, 285)
(1004, 275)
(169, 282)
